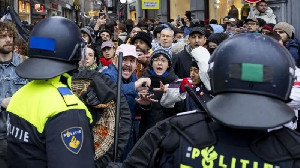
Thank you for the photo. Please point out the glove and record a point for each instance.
(202, 57)
(89, 97)
(92, 98)
(184, 82)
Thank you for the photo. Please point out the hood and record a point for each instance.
(293, 43)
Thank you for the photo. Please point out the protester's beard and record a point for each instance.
(4, 50)
(141, 50)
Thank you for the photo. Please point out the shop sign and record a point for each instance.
(150, 4)
(39, 8)
(76, 7)
(68, 6)
(252, 1)
(54, 5)
(24, 7)
(94, 13)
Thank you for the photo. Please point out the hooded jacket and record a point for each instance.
(293, 47)
(268, 16)
(154, 113)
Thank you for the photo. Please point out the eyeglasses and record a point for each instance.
(163, 60)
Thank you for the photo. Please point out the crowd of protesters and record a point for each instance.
(158, 60)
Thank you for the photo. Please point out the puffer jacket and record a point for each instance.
(268, 16)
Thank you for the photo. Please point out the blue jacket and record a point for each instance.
(10, 82)
(293, 47)
(127, 87)
(187, 31)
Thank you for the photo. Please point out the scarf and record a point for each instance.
(94, 66)
(104, 61)
(189, 49)
(163, 75)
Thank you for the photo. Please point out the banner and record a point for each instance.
(10, 14)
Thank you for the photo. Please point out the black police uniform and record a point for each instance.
(251, 89)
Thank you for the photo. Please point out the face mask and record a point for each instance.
(211, 50)
(181, 40)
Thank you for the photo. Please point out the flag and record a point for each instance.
(10, 14)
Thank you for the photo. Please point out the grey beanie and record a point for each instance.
(284, 27)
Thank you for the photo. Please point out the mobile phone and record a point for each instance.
(101, 14)
(178, 18)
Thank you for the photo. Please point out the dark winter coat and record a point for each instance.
(181, 64)
(203, 95)
(293, 47)
(154, 113)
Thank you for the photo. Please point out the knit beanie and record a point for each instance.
(287, 28)
(143, 36)
(194, 64)
(269, 27)
(158, 52)
(217, 38)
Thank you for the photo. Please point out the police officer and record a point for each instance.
(47, 125)
(251, 77)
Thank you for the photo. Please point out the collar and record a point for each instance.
(16, 59)
(164, 74)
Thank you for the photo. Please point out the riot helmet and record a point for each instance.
(251, 77)
(55, 47)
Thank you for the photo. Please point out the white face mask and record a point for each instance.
(181, 40)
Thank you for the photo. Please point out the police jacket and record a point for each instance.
(190, 141)
(49, 127)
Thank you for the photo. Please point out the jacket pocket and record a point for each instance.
(20, 81)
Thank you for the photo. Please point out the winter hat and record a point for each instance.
(105, 30)
(143, 36)
(217, 38)
(269, 27)
(194, 64)
(158, 52)
(287, 28)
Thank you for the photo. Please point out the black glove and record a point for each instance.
(91, 97)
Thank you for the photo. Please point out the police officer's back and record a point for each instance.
(251, 77)
(47, 125)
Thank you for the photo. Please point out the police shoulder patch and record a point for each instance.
(73, 139)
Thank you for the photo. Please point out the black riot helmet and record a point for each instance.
(252, 77)
(55, 47)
